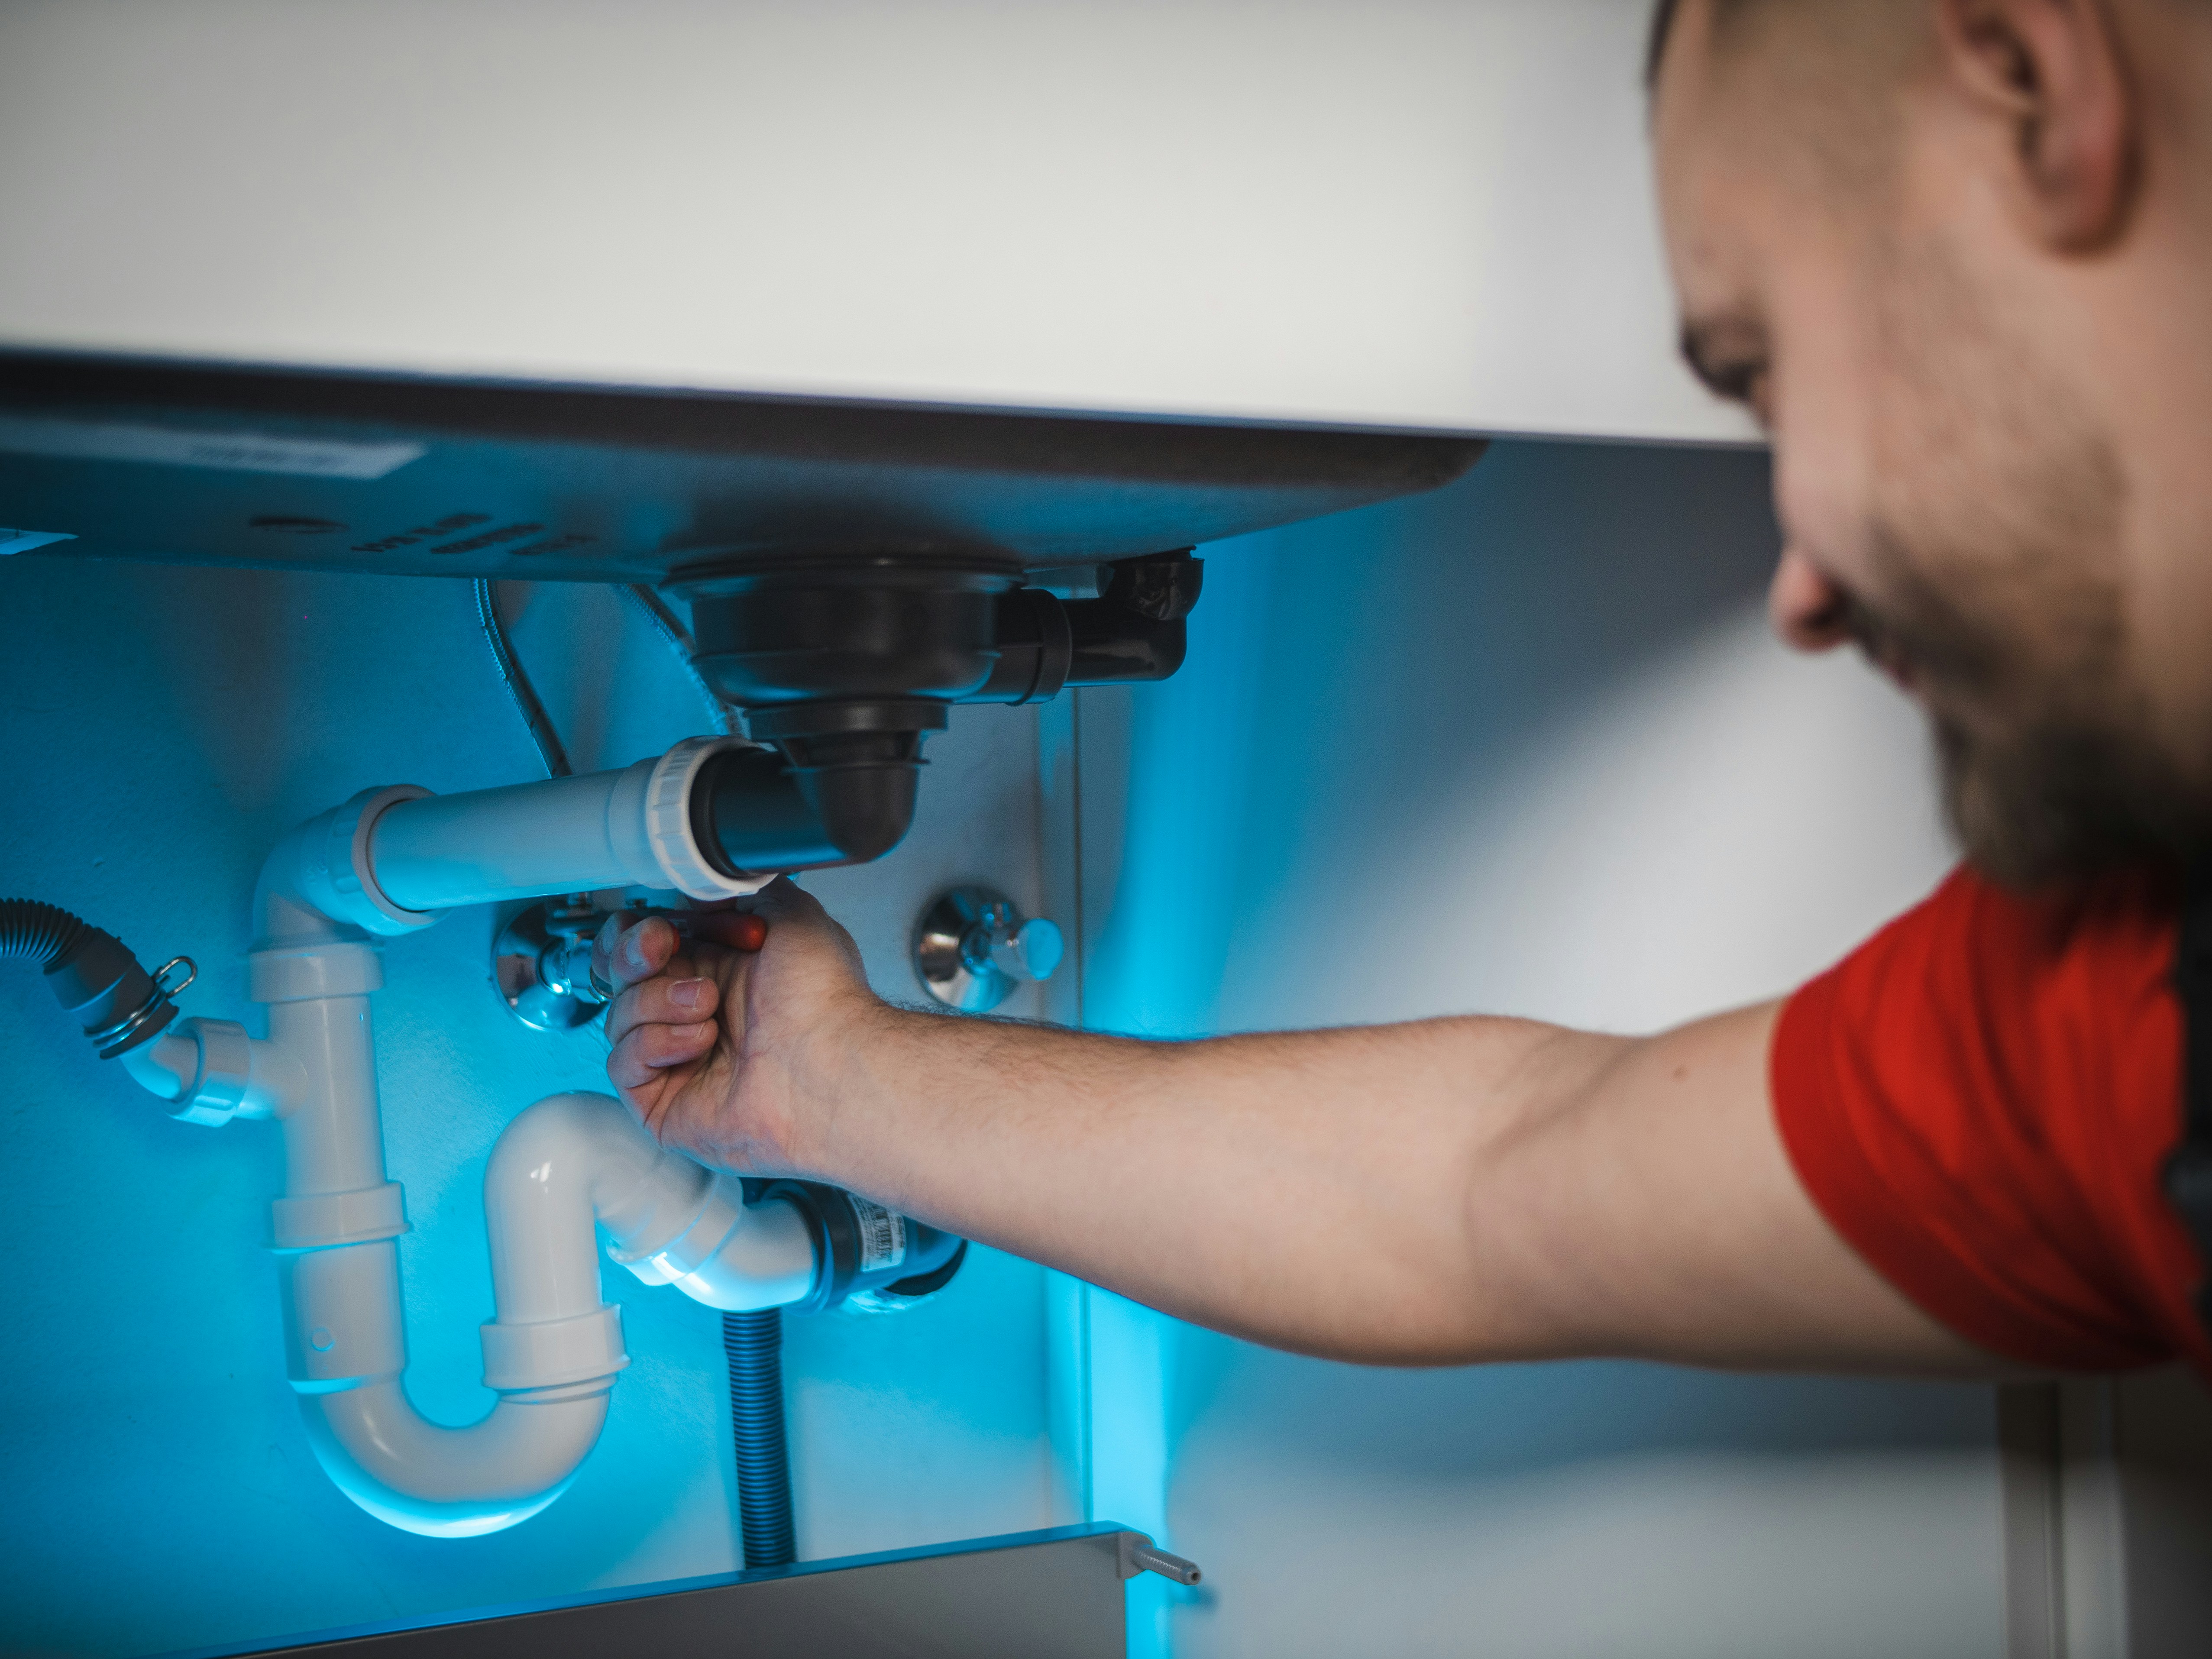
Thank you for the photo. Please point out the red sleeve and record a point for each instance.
(1979, 1099)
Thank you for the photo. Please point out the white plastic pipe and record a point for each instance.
(554, 1349)
(165, 1066)
(334, 1140)
(574, 1159)
(489, 844)
(450, 1483)
(566, 1165)
(213, 1072)
(631, 828)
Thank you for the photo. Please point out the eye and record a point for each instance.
(1742, 380)
(1748, 381)
(1729, 354)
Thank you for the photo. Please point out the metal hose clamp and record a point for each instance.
(112, 1039)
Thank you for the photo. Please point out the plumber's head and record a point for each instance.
(1956, 257)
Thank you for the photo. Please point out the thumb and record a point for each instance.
(785, 900)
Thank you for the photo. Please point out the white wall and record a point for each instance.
(1521, 745)
(1429, 213)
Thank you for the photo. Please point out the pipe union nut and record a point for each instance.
(339, 876)
(582, 1348)
(323, 1221)
(676, 849)
(226, 1066)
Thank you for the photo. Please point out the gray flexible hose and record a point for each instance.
(518, 686)
(665, 622)
(753, 1343)
(91, 973)
(42, 934)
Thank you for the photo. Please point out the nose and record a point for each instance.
(1804, 606)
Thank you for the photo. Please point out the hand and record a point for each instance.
(715, 1039)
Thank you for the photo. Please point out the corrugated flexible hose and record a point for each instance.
(31, 932)
(754, 1345)
(91, 973)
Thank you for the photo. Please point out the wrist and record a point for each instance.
(834, 1084)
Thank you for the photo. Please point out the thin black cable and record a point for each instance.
(518, 685)
(753, 1343)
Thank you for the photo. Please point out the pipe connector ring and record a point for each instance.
(338, 875)
(668, 829)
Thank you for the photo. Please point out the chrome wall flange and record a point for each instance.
(973, 950)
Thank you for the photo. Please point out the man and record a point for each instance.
(1952, 254)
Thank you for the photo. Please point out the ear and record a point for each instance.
(2050, 71)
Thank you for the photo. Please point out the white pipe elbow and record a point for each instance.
(554, 1348)
(573, 1158)
(164, 1067)
(346, 1348)
(387, 862)
(423, 1478)
(316, 886)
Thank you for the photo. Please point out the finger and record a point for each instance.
(785, 898)
(625, 955)
(641, 1057)
(604, 943)
(665, 1000)
(786, 904)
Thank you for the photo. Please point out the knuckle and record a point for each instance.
(624, 1069)
(665, 1044)
(623, 1013)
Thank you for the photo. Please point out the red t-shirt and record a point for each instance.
(1980, 1099)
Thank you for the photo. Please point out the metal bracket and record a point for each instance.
(1140, 1554)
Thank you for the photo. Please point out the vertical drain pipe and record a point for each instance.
(754, 1345)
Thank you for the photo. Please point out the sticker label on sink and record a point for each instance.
(226, 452)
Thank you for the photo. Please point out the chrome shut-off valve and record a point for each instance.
(973, 949)
(540, 963)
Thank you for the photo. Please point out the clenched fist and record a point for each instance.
(719, 1039)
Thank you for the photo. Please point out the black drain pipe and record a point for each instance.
(851, 1236)
(754, 1345)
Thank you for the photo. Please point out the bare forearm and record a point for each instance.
(1310, 1190)
(1450, 1190)
(1447, 1191)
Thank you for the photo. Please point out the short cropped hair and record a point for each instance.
(1663, 26)
(1826, 71)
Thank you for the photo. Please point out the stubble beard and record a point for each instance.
(1997, 550)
